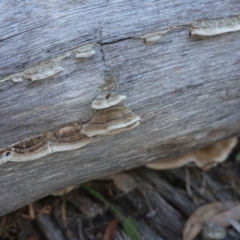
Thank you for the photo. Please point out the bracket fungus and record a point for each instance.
(109, 120)
(204, 158)
(46, 69)
(68, 138)
(85, 51)
(39, 71)
(215, 27)
(112, 116)
(26, 150)
(116, 131)
(64, 139)
(3, 156)
(107, 100)
(154, 37)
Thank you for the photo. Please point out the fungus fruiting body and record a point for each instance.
(112, 116)
(85, 51)
(204, 158)
(107, 100)
(29, 149)
(109, 119)
(119, 130)
(68, 138)
(4, 156)
(209, 28)
(64, 139)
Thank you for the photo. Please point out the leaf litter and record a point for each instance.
(215, 212)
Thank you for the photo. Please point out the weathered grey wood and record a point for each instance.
(176, 197)
(187, 91)
(49, 229)
(33, 31)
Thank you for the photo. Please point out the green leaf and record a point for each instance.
(238, 157)
(129, 224)
(130, 228)
(101, 198)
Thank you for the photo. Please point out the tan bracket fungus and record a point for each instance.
(64, 139)
(107, 100)
(50, 67)
(204, 158)
(68, 138)
(40, 71)
(119, 130)
(85, 51)
(109, 120)
(44, 70)
(215, 27)
(28, 149)
(112, 117)
(154, 37)
(3, 156)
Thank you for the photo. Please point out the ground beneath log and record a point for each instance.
(141, 202)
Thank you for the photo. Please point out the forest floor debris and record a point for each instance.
(137, 204)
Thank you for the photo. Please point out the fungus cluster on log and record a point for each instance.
(64, 139)
(111, 118)
(68, 138)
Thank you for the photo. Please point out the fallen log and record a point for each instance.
(57, 56)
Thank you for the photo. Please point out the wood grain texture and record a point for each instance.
(186, 90)
(33, 31)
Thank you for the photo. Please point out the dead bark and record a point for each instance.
(186, 90)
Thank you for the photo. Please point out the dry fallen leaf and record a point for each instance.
(232, 213)
(124, 181)
(215, 212)
(110, 230)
